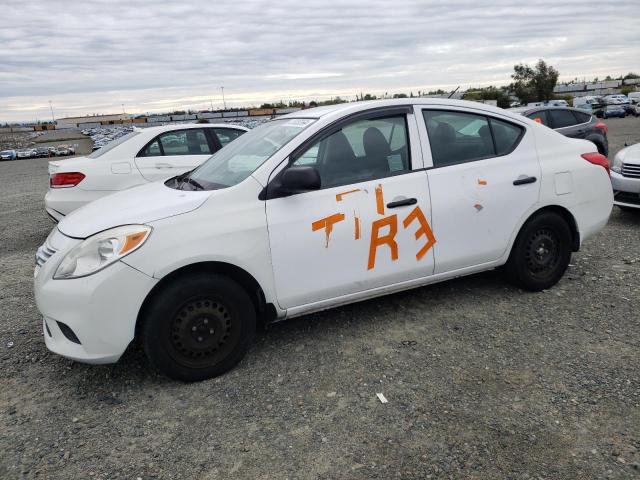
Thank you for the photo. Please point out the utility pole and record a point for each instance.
(122, 108)
(51, 108)
(223, 101)
(211, 104)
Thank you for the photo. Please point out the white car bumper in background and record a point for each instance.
(90, 319)
(60, 202)
(626, 190)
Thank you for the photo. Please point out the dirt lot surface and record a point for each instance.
(483, 380)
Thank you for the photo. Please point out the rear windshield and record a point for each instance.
(111, 145)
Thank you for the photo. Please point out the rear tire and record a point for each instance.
(541, 252)
(198, 327)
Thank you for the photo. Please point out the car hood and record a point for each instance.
(630, 154)
(137, 205)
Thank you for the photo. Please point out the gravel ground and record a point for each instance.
(484, 381)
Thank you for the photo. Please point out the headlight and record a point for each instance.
(617, 164)
(101, 250)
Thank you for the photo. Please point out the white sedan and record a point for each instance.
(142, 156)
(316, 209)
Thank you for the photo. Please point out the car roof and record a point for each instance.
(186, 126)
(354, 107)
(525, 111)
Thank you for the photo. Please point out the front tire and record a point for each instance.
(198, 327)
(541, 252)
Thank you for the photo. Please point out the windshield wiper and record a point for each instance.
(184, 178)
(193, 182)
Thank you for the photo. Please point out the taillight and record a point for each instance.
(602, 126)
(597, 159)
(65, 179)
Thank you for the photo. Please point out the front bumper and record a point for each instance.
(626, 190)
(99, 310)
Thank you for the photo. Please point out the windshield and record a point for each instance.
(235, 162)
(111, 145)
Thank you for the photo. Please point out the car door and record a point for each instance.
(484, 177)
(174, 152)
(368, 226)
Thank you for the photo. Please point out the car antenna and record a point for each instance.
(451, 94)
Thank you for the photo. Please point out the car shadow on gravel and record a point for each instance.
(366, 316)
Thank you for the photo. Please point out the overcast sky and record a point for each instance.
(88, 56)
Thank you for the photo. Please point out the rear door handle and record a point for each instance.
(402, 203)
(163, 165)
(524, 180)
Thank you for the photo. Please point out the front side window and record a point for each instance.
(360, 151)
(232, 164)
(460, 137)
(185, 142)
(226, 135)
(562, 118)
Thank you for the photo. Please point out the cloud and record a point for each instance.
(94, 56)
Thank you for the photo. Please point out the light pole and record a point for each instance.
(122, 108)
(223, 101)
(51, 108)
(211, 104)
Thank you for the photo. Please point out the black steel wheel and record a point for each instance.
(541, 252)
(197, 327)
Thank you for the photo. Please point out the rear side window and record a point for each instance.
(582, 117)
(152, 150)
(185, 142)
(459, 137)
(226, 135)
(506, 136)
(562, 118)
(540, 117)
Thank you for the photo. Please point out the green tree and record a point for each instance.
(534, 84)
(489, 93)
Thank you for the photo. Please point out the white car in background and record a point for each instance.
(142, 156)
(317, 209)
(625, 178)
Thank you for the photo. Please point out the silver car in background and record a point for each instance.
(625, 178)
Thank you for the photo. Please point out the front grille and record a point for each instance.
(627, 197)
(631, 170)
(44, 253)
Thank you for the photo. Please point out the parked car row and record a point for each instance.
(312, 210)
(39, 152)
(102, 136)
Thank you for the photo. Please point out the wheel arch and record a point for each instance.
(565, 214)
(265, 312)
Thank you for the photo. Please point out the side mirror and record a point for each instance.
(300, 179)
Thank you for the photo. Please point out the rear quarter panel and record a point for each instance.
(570, 181)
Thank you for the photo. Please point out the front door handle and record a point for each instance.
(402, 203)
(524, 180)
